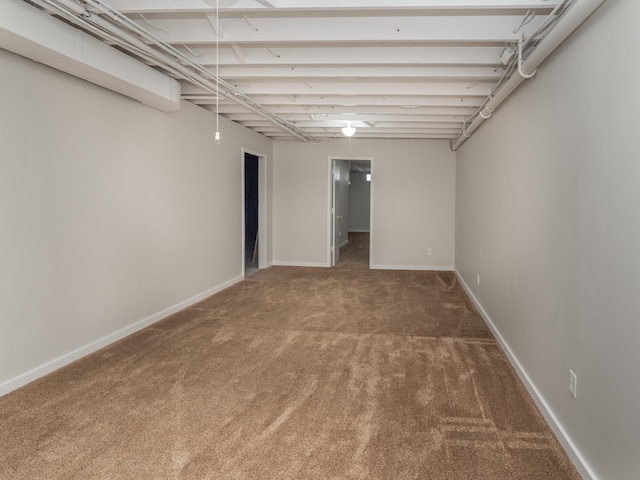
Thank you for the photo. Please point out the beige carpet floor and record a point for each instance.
(295, 373)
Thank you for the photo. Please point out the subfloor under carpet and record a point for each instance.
(294, 373)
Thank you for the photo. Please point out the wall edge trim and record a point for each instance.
(440, 268)
(563, 437)
(63, 360)
(278, 263)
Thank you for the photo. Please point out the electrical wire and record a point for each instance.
(528, 18)
(147, 22)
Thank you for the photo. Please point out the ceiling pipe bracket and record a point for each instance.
(567, 23)
(464, 130)
(520, 61)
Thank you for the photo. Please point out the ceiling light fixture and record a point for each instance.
(348, 131)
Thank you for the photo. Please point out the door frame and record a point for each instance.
(335, 246)
(262, 208)
(330, 207)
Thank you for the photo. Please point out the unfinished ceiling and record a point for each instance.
(303, 69)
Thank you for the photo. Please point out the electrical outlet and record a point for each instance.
(429, 251)
(478, 279)
(573, 382)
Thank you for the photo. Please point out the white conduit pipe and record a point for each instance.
(201, 76)
(106, 30)
(566, 25)
(98, 28)
(74, 7)
(163, 60)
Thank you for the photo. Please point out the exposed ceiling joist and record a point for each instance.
(353, 88)
(357, 55)
(385, 6)
(426, 73)
(281, 31)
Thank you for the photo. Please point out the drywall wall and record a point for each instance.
(546, 213)
(359, 202)
(112, 214)
(413, 201)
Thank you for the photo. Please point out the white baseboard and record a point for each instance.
(439, 268)
(279, 263)
(42, 370)
(567, 444)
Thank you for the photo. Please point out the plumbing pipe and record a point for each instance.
(108, 31)
(34, 34)
(201, 77)
(74, 7)
(566, 25)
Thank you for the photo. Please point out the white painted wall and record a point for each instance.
(359, 202)
(413, 199)
(300, 201)
(112, 214)
(548, 194)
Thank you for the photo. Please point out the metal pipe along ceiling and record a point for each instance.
(569, 21)
(34, 34)
(115, 26)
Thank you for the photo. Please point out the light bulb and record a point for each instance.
(217, 138)
(348, 131)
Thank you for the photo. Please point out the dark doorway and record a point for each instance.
(250, 213)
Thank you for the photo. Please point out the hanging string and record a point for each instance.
(217, 137)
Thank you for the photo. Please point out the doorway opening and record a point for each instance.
(251, 213)
(350, 210)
